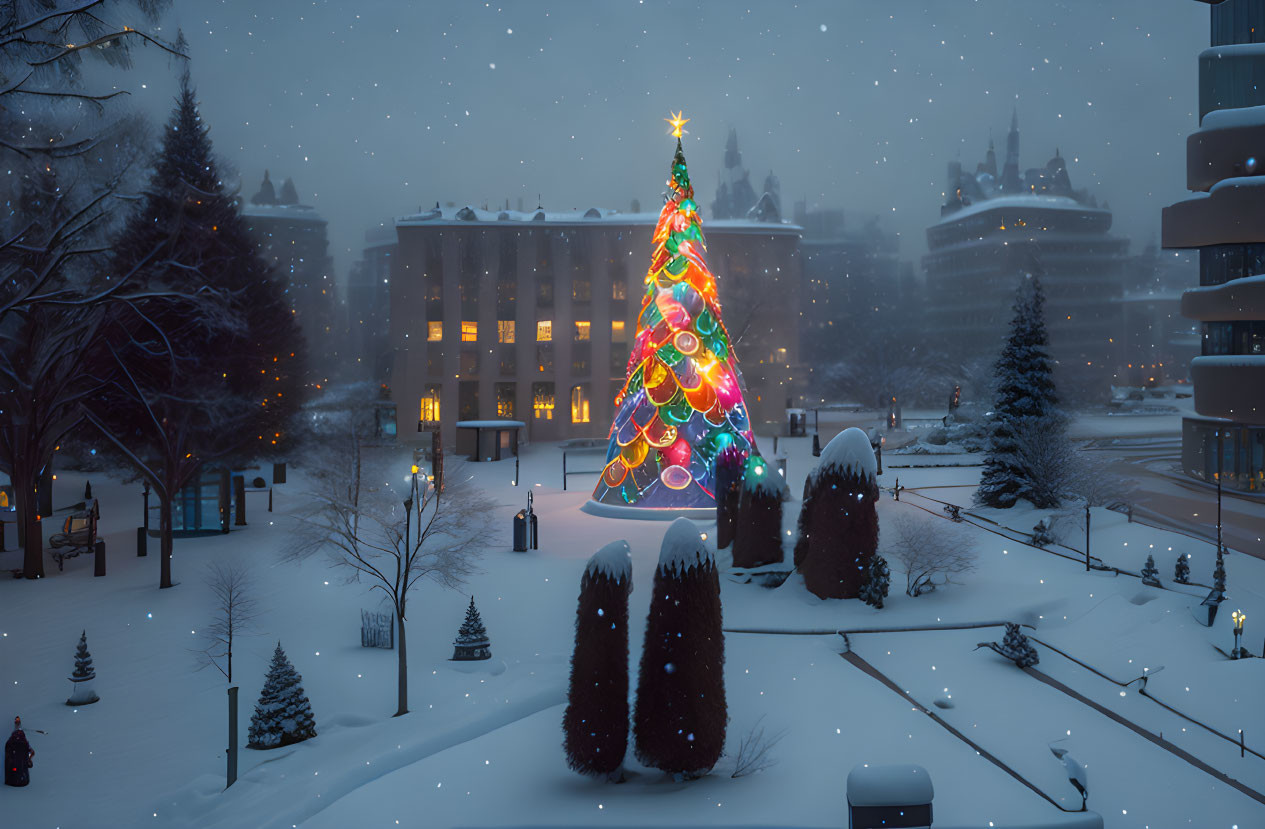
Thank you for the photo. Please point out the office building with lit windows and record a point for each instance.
(1224, 220)
(996, 228)
(531, 315)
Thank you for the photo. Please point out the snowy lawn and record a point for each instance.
(151, 752)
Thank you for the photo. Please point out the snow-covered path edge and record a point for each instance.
(252, 795)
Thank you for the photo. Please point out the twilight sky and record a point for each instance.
(379, 106)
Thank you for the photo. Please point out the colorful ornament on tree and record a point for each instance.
(682, 402)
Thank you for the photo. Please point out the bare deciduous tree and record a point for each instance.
(931, 552)
(393, 540)
(235, 612)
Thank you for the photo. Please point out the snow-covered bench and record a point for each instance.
(78, 535)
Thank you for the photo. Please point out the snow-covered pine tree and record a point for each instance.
(1015, 647)
(730, 464)
(1218, 575)
(472, 642)
(1025, 399)
(1181, 571)
(203, 377)
(680, 716)
(283, 715)
(878, 580)
(758, 529)
(83, 675)
(1150, 575)
(838, 521)
(595, 725)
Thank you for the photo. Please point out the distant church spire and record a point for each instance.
(1010, 181)
(266, 194)
(288, 194)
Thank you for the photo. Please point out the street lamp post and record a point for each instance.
(1239, 618)
(1086, 536)
(1220, 456)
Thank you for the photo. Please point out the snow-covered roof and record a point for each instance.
(849, 452)
(1220, 119)
(1238, 182)
(299, 212)
(898, 784)
(682, 547)
(468, 215)
(1031, 201)
(613, 561)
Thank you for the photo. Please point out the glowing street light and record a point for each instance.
(1239, 617)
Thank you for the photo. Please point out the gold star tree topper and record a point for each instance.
(677, 123)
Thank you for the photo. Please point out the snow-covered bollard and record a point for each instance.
(889, 795)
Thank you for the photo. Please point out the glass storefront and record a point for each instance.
(1242, 453)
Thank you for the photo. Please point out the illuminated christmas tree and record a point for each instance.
(682, 402)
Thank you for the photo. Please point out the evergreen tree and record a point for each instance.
(207, 366)
(730, 464)
(472, 640)
(1150, 575)
(1015, 647)
(838, 521)
(1025, 399)
(758, 529)
(877, 582)
(1181, 572)
(680, 715)
(595, 725)
(283, 715)
(681, 403)
(83, 675)
(1218, 575)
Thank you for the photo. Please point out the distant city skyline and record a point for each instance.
(380, 108)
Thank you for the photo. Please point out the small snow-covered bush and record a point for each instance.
(754, 750)
(1042, 534)
(931, 552)
(1015, 647)
(877, 582)
(1150, 575)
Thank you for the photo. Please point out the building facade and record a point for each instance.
(992, 231)
(368, 306)
(531, 316)
(1225, 222)
(291, 237)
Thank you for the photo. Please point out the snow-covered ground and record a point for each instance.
(482, 746)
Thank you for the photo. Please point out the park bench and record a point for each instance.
(78, 535)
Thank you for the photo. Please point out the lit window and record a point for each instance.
(429, 408)
(544, 331)
(434, 331)
(579, 404)
(542, 401)
(469, 332)
(505, 331)
(582, 330)
(619, 333)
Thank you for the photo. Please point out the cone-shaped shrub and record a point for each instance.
(1150, 574)
(878, 582)
(1181, 571)
(838, 522)
(758, 529)
(680, 717)
(730, 464)
(472, 640)
(283, 714)
(595, 725)
(83, 675)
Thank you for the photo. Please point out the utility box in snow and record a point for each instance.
(889, 797)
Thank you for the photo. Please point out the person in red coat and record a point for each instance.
(18, 757)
